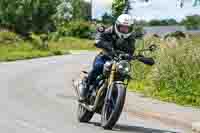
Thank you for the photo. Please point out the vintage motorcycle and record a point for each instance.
(108, 95)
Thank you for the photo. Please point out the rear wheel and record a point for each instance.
(83, 114)
(113, 106)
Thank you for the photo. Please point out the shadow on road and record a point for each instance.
(67, 97)
(131, 129)
(127, 128)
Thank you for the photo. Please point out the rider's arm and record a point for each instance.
(131, 49)
(103, 41)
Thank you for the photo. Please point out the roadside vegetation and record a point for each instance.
(14, 47)
(176, 75)
(40, 28)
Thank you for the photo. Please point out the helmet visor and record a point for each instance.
(124, 29)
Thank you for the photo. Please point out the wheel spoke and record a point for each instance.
(112, 103)
(108, 110)
(110, 106)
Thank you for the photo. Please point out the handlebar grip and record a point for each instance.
(147, 61)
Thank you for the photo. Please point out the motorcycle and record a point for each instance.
(107, 96)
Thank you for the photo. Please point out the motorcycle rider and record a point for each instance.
(117, 37)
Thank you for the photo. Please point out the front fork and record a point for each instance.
(112, 75)
(110, 84)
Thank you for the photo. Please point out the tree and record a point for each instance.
(81, 9)
(76, 4)
(172, 22)
(154, 22)
(196, 3)
(25, 16)
(118, 7)
(164, 22)
(107, 18)
(192, 22)
(64, 11)
(87, 12)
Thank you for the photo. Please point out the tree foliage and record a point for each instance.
(40, 16)
(27, 15)
(81, 9)
(118, 7)
(64, 11)
(164, 22)
(192, 22)
(107, 18)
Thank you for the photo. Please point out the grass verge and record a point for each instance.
(21, 50)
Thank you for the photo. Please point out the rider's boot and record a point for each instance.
(87, 85)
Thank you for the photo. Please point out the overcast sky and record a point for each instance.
(155, 9)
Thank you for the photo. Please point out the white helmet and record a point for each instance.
(124, 26)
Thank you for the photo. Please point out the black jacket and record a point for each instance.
(108, 40)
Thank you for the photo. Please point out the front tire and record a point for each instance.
(83, 114)
(119, 94)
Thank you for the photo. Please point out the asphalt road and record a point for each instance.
(36, 96)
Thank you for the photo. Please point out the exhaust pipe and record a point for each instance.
(93, 108)
(75, 86)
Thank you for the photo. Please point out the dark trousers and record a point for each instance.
(97, 68)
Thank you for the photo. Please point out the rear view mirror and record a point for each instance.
(101, 29)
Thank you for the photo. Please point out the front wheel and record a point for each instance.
(113, 106)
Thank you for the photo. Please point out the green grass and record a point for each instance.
(176, 75)
(72, 43)
(20, 50)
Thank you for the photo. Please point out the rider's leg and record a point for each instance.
(97, 69)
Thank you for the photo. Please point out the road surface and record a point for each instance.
(36, 96)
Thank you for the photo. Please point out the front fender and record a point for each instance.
(121, 83)
(113, 86)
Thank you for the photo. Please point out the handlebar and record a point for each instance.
(146, 60)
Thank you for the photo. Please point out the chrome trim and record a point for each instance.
(92, 108)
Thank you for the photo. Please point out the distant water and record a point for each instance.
(163, 30)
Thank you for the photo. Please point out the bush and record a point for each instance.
(175, 77)
(177, 73)
(7, 37)
(71, 43)
(139, 31)
(54, 36)
(79, 29)
(39, 41)
(177, 35)
(57, 52)
(192, 22)
(25, 16)
(163, 22)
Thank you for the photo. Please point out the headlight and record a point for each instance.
(123, 67)
(107, 67)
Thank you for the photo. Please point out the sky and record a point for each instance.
(100, 7)
(155, 9)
